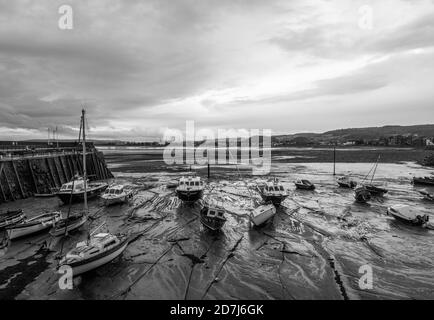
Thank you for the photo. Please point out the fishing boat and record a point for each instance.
(424, 180)
(370, 187)
(362, 195)
(261, 214)
(408, 215)
(98, 250)
(10, 218)
(118, 193)
(274, 192)
(33, 225)
(346, 182)
(426, 195)
(74, 190)
(304, 184)
(212, 216)
(190, 189)
(68, 224)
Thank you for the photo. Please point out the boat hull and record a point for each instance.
(362, 195)
(262, 218)
(376, 191)
(11, 219)
(276, 200)
(60, 231)
(189, 196)
(213, 224)
(81, 267)
(349, 185)
(305, 187)
(17, 232)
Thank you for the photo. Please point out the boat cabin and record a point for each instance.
(274, 188)
(78, 185)
(190, 182)
(114, 190)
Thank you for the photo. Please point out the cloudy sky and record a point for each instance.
(141, 67)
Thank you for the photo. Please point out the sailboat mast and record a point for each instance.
(83, 125)
(375, 169)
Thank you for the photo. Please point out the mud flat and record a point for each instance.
(313, 249)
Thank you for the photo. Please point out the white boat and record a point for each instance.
(89, 255)
(117, 194)
(190, 189)
(33, 225)
(262, 214)
(408, 214)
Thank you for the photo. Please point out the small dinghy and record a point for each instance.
(33, 225)
(10, 218)
(346, 182)
(69, 224)
(261, 214)
(99, 250)
(362, 195)
(304, 184)
(427, 196)
(117, 194)
(408, 215)
(274, 192)
(424, 180)
(212, 216)
(172, 184)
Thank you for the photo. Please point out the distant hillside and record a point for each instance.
(426, 130)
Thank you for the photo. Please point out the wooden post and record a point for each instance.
(2, 191)
(9, 186)
(18, 179)
(1, 187)
(51, 172)
(33, 175)
(334, 161)
(63, 168)
(57, 171)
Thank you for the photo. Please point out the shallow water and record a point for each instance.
(313, 249)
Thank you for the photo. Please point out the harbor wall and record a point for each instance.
(25, 175)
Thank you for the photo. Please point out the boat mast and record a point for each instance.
(83, 120)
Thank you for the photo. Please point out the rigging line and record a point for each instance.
(375, 170)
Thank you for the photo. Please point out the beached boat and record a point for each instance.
(408, 214)
(10, 218)
(99, 250)
(73, 191)
(362, 195)
(261, 214)
(273, 191)
(67, 225)
(370, 187)
(33, 225)
(304, 184)
(190, 189)
(346, 182)
(427, 196)
(117, 194)
(212, 216)
(376, 191)
(424, 180)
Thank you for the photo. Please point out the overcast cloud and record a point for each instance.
(143, 66)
